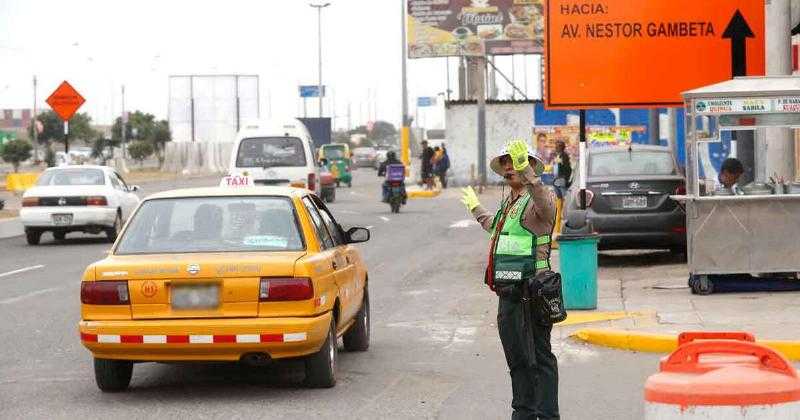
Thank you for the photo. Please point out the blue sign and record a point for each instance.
(311, 91)
(426, 101)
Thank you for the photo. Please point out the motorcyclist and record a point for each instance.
(391, 159)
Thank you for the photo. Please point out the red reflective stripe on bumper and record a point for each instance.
(92, 338)
(224, 339)
(177, 339)
(137, 339)
(271, 338)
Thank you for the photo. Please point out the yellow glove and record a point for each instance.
(518, 151)
(469, 198)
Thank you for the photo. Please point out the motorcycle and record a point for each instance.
(395, 186)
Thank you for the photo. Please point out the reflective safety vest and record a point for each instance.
(514, 254)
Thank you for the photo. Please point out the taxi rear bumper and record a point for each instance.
(204, 339)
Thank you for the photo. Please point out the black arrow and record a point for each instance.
(738, 31)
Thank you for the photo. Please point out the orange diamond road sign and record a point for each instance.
(65, 100)
(625, 53)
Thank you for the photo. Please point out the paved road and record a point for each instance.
(434, 351)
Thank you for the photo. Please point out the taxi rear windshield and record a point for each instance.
(621, 163)
(266, 152)
(333, 152)
(212, 224)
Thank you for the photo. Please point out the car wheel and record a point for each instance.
(113, 231)
(321, 366)
(60, 235)
(33, 236)
(112, 375)
(701, 285)
(357, 337)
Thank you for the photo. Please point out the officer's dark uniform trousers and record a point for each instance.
(534, 377)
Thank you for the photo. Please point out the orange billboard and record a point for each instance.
(637, 53)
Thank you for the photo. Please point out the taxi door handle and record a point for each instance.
(335, 266)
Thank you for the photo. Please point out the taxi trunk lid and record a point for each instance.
(213, 285)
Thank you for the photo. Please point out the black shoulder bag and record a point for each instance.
(547, 297)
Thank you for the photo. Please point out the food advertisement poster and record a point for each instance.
(441, 28)
(546, 136)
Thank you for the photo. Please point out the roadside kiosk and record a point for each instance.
(755, 229)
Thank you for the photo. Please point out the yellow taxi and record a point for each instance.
(227, 274)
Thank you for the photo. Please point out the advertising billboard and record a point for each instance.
(474, 27)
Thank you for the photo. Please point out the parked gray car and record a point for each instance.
(628, 190)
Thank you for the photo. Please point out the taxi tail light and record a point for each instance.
(105, 293)
(291, 288)
(312, 181)
(97, 200)
(30, 201)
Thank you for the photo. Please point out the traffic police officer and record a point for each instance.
(520, 246)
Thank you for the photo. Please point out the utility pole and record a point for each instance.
(33, 122)
(778, 156)
(349, 117)
(123, 124)
(319, 8)
(405, 155)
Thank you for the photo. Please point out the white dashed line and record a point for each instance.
(21, 270)
(28, 295)
(385, 219)
(463, 223)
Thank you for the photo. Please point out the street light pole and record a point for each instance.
(319, 8)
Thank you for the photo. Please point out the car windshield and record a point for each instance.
(77, 176)
(333, 152)
(212, 224)
(266, 152)
(631, 163)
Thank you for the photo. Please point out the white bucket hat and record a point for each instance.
(498, 168)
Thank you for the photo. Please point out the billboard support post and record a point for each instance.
(480, 88)
(404, 130)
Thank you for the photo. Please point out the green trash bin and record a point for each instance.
(578, 263)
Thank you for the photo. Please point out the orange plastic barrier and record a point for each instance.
(722, 375)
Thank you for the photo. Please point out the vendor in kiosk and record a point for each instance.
(729, 175)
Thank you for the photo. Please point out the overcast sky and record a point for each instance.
(100, 45)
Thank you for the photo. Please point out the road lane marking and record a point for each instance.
(21, 270)
(347, 212)
(463, 223)
(28, 295)
(385, 219)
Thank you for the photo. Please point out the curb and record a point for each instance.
(423, 193)
(664, 343)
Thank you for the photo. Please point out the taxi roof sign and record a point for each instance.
(65, 100)
(619, 53)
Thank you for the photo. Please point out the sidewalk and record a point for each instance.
(652, 289)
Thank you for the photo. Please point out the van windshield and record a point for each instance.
(264, 152)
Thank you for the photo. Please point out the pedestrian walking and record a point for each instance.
(520, 248)
(426, 159)
(563, 170)
(442, 166)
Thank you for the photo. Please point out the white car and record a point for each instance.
(274, 152)
(80, 198)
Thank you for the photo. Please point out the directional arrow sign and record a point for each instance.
(630, 53)
(738, 31)
(65, 101)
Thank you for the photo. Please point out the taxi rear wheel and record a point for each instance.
(112, 375)
(357, 338)
(321, 366)
(113, 231)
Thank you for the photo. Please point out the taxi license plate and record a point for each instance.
(634, 202)
(195, 296)
(62, 219)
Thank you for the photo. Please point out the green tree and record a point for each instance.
(16, 151)
(140, 126)
(381, 130)
(160, 135)
(140, 150)
(80, 128)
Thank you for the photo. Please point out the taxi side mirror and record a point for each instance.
(357, 234)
